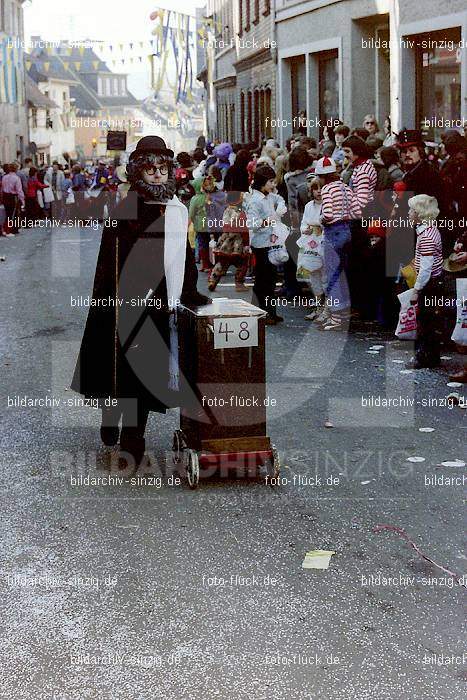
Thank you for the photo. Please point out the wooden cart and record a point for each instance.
(224, 426)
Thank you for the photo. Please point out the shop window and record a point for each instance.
(298, 97)
(328, 70)
(438, 82)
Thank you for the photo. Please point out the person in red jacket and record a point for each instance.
(33, 185)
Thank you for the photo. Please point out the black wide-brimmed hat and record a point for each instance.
(151, 144)
(409, 137)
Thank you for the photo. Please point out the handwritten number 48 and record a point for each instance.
(243, 333)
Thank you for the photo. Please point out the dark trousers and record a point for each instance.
(429, 323)
(12, 210)
(265, 281)
(291, 285)
(358, 259)
(134, 416)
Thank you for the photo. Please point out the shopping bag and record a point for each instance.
(459, 335)
(70, 197)
(48, 195)
(407, 326)
(302, 275)
(277, 253)
(310, 253)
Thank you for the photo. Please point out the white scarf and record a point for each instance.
(175, 237)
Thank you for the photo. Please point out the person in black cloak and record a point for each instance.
(145, 269)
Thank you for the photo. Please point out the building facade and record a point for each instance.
(101, 100)
(55, 81)
(13, 107)
(239, 69)
(342, 59)
(40, 109)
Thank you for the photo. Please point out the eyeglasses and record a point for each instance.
(370, 123)
(162, 169)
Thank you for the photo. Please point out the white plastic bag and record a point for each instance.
(48, 195)
(277, 251)
(70, 199)
(310, 256)
(407, 326)
(459, 335)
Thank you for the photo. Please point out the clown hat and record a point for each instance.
(325, 166)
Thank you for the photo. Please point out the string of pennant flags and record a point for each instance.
(169, 51)
(175, 47)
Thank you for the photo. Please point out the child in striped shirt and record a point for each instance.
(427, 292)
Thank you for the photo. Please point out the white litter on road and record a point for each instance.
(317, 559)
(415, 459)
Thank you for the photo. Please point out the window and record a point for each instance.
(19, 22)
(267, 112)
(256, 133)
(438, 81)
(123, 86)
(267, 7)
(240, 17)
(34, 117)
(242, 117)
(2, 15)
(14, 17)
(256, 19)
(249, 116)
(116, 83)
(298, 97)
(108, 86)
(328, 67)
(247, 26)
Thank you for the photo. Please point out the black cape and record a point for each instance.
(125, 348)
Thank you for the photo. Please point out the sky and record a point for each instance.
(115, 21)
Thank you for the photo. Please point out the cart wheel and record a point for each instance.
(177, 446)
(273, 465)
(192, 469)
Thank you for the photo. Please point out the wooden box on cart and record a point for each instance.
(224, 355)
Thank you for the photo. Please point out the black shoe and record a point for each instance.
(134, 447)
(421, 364)
(109, 435)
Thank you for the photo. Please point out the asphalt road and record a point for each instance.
(129, 591)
